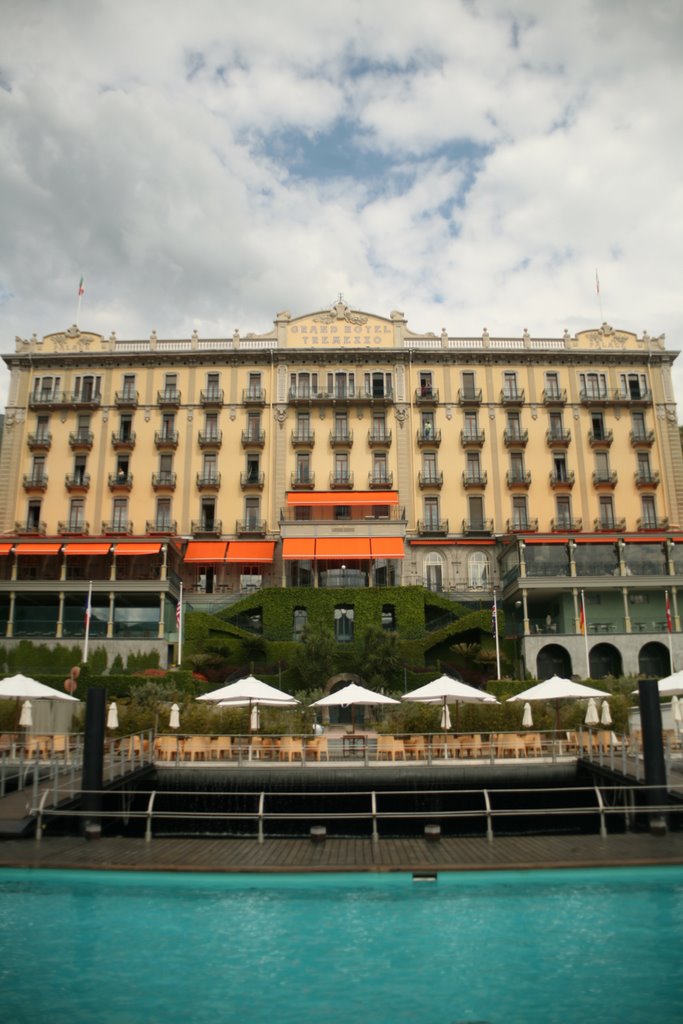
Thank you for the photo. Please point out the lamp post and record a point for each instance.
(343, 570)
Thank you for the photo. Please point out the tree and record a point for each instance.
(316, 656)
(376, 658)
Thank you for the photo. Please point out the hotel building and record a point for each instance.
(342, 448)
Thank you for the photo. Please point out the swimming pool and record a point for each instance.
(514, 947)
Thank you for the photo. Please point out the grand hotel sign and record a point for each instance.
(340, 327)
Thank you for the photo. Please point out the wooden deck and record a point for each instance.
(303, 855)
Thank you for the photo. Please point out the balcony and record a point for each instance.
(642, 438)
(604, 478)
(512, 397)
(47, 400)
(380, 438)
(472, 438)
(31, 528)
(558, 438)
(518, 478)
(118, 528)
(522, 525)
(562, 481)
(120, 481)
(566, 525)
(601, 439)
(646, 479)
(126, 399)
(426, 395)
(169, 398)
(73, 528)
(251, 526)
(594, 396)
(212, 439)
(636, 396)
(380, 481)
(474, 478)
(652, 523)
(208, 481)
(253, 438)
(206, 527)
(341, 481)
(166, 440)
(40, 442)
(123, 441)
(251, 481)
(303, 438)
(164, 481)
(81, 440)
(161, 527)
(341, 438)
(254, 396)
(469, 396)
(35, 481)
(77, 483)
(302, 481)
(477, 526)
(514, 438)
(432, 527)
(609, 525)
(86, 399)
(211, 398)
(554, 396)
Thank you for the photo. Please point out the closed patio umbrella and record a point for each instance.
(174, 720)
(605, 714)
(592, 717)
(26, 717)
(527, 720)
(113, 716)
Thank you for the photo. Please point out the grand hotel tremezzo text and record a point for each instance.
(342, 448)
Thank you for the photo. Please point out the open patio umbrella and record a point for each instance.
(24, 688)
(446, 690)
(557, 689)
(252, 693)
(605, 714)
(592, 717)
(350, 696)
(113, 716)
(676, 712)
(174, 720)
(670, 686)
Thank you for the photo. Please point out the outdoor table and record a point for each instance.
(354, 744)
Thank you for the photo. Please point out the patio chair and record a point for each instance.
(220, 748)
(197, 748)
(416, 748)
(291, 749)
(317, 749)
(533, 746)
(509, 744)
(168, 748)
(389, 748)
(36, 746)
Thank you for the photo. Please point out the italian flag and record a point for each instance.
(81, 287)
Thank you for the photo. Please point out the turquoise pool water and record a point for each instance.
(503, 947)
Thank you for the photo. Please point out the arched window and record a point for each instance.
(478, 569)
(300, 618)
(388, 617)
(343, 624)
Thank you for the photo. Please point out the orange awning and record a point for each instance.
(342, 498)
(546, 540)
(5, 549)
(386, 547)
(647, 538)
(87, 549)
(597, 540)
(37, 549)
(342, 547)
(299, 547)
(137, 549)
(249, 551)
(436, 543)
(206, 551)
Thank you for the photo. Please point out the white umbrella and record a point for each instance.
(113, 716)
(174, 720)
(670, 686)
(26, 718)
(557, 689)
(249, 691)
(605, 714)
(446, 690)
(592, 717)
(350, 696)
(255, 719)
(527, 720)
(24, 688)
(445, 718)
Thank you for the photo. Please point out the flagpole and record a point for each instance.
(668, 630)
(585, 634)
(495, 633)
(179, 622)
(88, 613)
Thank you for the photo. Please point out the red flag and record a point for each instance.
(669, 626)
(81, 287)
(582, 620)
(177, 615)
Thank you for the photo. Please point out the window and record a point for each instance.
(514, 425)
(253, 426)
(563, 512)
(602, 470)
(342, 511)
(125, 427)
(425, 384)
(429, 467)
(606, 512)
(471, 425)
(633, 385)
(556, 425)
(38, 471)
(644, 469)
(341, 384)
(469, 389)
(79, 469)
(388, 617)
(209, 470)
(303, 425)
(213, 385)
(303, 385)
(510, 385)
(252, 513)
(33, 515)
(475, 511)
(83, 426)
(341, 426)
(168, 426)
(593, 385)
(560, 466)
(128, 389)
(303, 468)
(46, 388)
(122, 465)
(552, 385)
(379, 468)
(120, 514)
(473, 467)
(208, 514)
(76, 514)
(638, 426)
(42, 427)
(520, 515)
(379, 425)
(478, 570)
(431, 512)
(170, 385)
(165, 468)
(163, 514)
(254, 387)
(211, 426)
(253, 467)
(378, 384)
(341, 467)
(300, 618)
(517, 467)
(649, 511)
(343, 624)
(598, 426)
(87, 388)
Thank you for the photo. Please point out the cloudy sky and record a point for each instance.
(206, 164)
